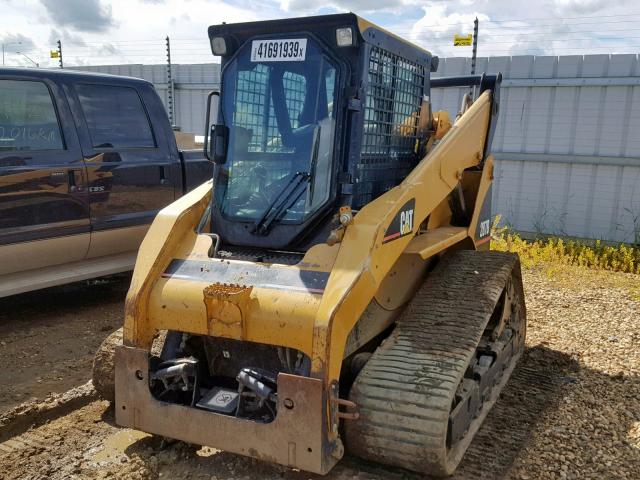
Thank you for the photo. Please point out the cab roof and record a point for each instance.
(364, 24)
(313, 23)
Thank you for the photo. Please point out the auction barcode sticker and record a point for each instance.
(289, 50)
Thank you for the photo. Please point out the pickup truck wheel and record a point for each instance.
(104, 367)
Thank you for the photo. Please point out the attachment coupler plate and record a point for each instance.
(296, 438)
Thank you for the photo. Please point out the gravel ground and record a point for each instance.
(571, 410)
(594, 318)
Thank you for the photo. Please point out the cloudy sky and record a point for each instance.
(100, 32)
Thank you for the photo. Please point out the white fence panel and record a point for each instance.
(567, 146)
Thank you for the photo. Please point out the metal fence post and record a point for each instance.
(60, 53)
(170, 91)
(474, 54)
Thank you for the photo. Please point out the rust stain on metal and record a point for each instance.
(227, 307)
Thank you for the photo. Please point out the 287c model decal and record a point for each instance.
(483, 229)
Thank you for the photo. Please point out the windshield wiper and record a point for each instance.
(287, 197)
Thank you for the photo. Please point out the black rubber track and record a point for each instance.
(405, 391)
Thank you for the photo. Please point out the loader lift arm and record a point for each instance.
(365, 258)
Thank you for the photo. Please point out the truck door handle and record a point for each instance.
(163, 176)
(73, 186)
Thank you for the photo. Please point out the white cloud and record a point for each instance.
(134, 31)
(16, 42)
(438, 25)
(67, 37)
(346, 5)
(81, 15)
(581, 7)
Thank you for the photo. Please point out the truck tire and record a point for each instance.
(104, 366)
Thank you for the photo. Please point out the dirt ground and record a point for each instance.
(571, 409)
(48, 338)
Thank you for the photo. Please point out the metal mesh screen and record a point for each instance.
(294, 95)
(260, 131)
(389, 142)
(252, 99)
(250, 104)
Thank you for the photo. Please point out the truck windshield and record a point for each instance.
(278, 100)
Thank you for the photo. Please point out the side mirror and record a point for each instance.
(218, 144)
(209, 124)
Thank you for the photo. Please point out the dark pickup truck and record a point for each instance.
(86, 162)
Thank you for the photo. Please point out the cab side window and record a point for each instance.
(115, 116)
(28, 120)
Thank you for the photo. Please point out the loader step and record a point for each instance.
(457, 342)
(434, 241)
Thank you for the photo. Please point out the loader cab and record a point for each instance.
(314, 114)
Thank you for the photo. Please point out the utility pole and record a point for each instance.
(5, 45)
(169, 84)
(60, 53)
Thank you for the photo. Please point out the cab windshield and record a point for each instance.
(279, 108)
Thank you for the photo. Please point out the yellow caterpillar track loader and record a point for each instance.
(331, 287)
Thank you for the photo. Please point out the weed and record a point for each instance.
(594, 255)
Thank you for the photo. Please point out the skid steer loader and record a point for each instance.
(331, 286)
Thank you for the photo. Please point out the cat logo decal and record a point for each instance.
(403, 222)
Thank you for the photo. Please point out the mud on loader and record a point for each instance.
(331, 287)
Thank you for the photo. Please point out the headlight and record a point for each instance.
(219, 46)
(344, 37)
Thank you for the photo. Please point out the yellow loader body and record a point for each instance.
(312, 306)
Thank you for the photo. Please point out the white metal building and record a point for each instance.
(567, 145)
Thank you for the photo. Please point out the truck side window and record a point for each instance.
(115, 117)
(28, 118)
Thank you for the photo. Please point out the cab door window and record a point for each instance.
(28, 119)
(115, 116)
(282, 126)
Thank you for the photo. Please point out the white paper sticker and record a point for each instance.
(289, 50)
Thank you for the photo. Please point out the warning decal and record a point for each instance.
(462, 41)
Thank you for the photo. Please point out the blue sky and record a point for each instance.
(95, 32)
